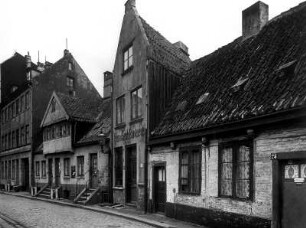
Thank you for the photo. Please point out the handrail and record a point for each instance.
(82, 192)
(92, 194)
(42, 189)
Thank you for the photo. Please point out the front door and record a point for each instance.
(57, 172)
(160, 187)
(25, 174)
(131, 175)
(50, 172)
(93, 171)
(293, 194)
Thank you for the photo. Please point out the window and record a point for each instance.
(9, 170)
(9, 141)
(37, 168)
(53, 105)
(22, 137)
(13, 169)
(2, 170)
(70, 82)
(190, 170)
(235, 169)
(70, 66)
(27, 133)
(137, 103)
(43, 169)
(27, 100)
(66, 167)
(14, 88)
(118, 166)
(120, 110)
(128, 58)
(13, 139)
(80, 164)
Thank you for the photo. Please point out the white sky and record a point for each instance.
(93, 26)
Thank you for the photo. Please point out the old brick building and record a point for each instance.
(146, 72)
(231, 149)
(26, 90)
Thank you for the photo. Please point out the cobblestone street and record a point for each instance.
(31, 213)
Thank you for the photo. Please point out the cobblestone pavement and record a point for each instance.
(32, 213)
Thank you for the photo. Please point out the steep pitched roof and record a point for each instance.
(262, 75)
(165, 52)
(103, 124)
(80, 109)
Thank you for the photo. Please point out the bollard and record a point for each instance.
(51, 193)
(56, 193)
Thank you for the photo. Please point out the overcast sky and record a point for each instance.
(93, 26)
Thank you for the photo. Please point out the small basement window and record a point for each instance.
(202, 98)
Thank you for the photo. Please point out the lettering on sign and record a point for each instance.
(129, 134)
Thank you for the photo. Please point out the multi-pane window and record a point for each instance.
(235, 170)
(136, 103)
(80, 165)
(120, 110)
(190, 170)
(13, 139)
(22, 135)
(66, 167)
(56, 131)
(43, 169)
(37, 169)
(70, 82)
(118, 166)
(128, 58)
(27, 134)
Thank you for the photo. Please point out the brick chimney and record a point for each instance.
(129, 5)
(254, 18)
(180, 45)
(108, 81)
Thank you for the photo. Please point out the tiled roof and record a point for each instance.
(165, 52)
(103, 124)
(264, 74)
(80, 109)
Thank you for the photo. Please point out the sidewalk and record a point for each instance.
(156, 220)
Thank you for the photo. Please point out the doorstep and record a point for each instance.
(156, 220)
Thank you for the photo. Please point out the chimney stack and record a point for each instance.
(254, 18)
(108, 81)
(129, 5)
(66, 52)
(180, 45)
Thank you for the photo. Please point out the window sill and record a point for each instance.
(189, 194)
(81, 177)
(136, 120)
(128, 70)
(120, 126)
(66, 177)
(118, 188)
(235, 199)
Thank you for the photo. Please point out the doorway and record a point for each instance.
(25, 174)
(93, 171)
(50, 172)
(131, 174)
(293, 191)
(57, 172)
(159, 184)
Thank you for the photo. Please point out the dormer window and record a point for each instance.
(53, 105)
(128, 58)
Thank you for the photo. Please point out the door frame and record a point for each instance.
(57, 171)
(154, 166)
(277, 160)
(127, 148)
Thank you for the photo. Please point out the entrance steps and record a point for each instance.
(86, 196)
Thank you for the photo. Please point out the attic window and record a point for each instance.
(128, 58)
(181, 106)
(70, 66)
(202, 98)
(53, 105)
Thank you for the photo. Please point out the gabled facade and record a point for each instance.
(75, 147)
(23, 109)
(147, 70)
(230, 150)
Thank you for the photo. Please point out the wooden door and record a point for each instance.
(160, 188)
(57, 172)
(25, 174)
(131, 175)
(50, 171)
(93, 171)
(293, 194)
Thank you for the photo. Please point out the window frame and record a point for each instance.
(37, 169)
(116, 166)
(130, 58)
(43, 169)
(139, 108)
(235, 149)
(70, 82)
(190, 151)
(121, 110)
(66, 167)
(82, 159)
